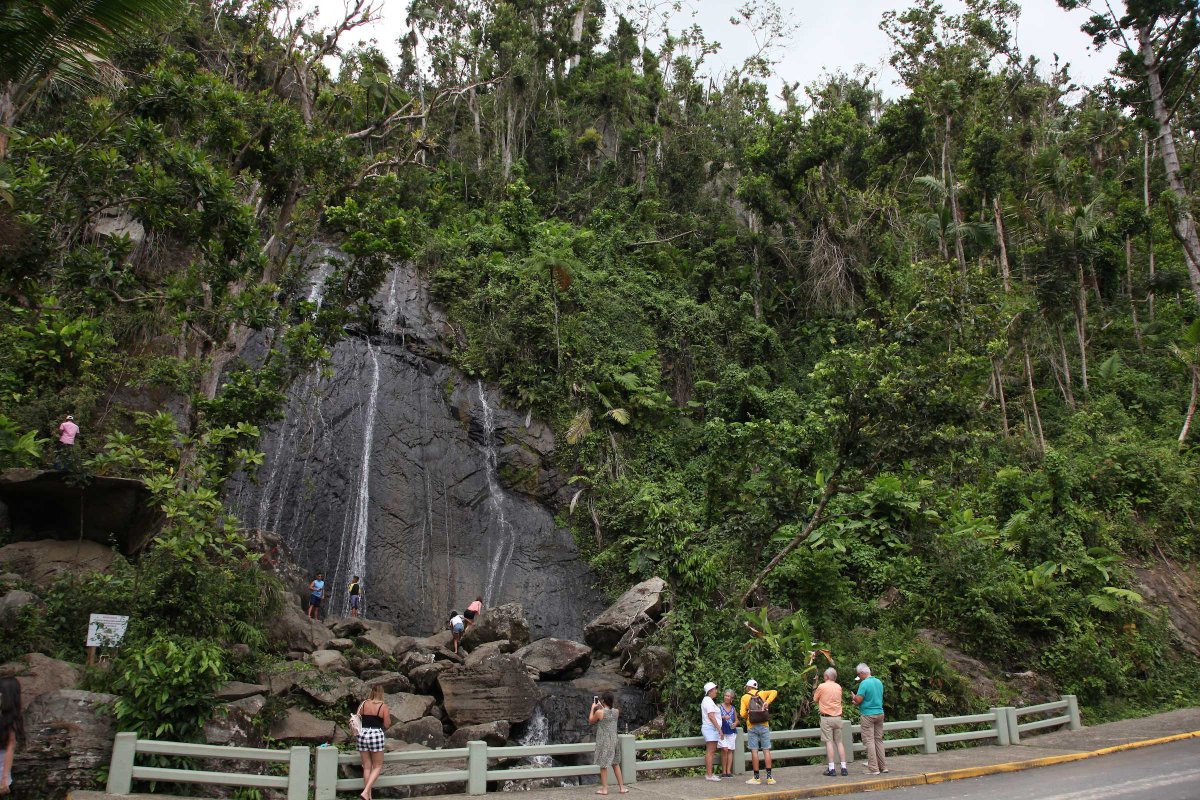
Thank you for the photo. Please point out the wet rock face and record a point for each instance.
(69, 736)
(449, 509)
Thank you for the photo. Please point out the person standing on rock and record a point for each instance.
(316, 590)
(473, 610)
(12, 728)
(710, 728)
(729, 716)
(604, 716)
(355, 592)
(869, 699)
(828, 697)
(756, 711)
(376, 718)
(67, 431)
(457, 625)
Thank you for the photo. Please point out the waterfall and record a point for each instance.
(353, 552)
(503, 539)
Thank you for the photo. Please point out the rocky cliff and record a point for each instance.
(393, 465)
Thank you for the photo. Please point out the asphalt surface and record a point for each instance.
(1161, 772)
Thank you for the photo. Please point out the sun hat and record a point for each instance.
(752, 684)
(708, 687)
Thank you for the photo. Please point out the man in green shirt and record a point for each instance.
(869, 699)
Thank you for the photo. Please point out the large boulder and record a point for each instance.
(425, 678)
(237, 690)
(43, 562)
(425, 731)
(556, 659)
(381, 640)
(331, 690)
(405, 707)
(390, 681)
(330, 661)
(282, 676)
(347, 628)
(12, 604)
(39, 674)
(605, 631)
(498, 688)
(295, 630)
(485, 651)
(494, 733)
(69, 736)
(493, 624)
(300, 726)
(232, 724)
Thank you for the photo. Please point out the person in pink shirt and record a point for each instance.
(67, 431)
(473, 610)
(828, 697)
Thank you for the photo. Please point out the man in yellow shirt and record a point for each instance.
(756, 711)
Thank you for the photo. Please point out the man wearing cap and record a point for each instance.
(758, 727)
(67, 431)
(710, 727)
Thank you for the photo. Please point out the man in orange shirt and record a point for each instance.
(828, 697)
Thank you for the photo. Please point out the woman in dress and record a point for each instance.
(12, 729)
(375, 720)
(604, 717)
(728, 734)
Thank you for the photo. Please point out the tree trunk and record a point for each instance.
(1081, 312)
(1133, 310)
(818, 515)
(1149, 226)
(8, 117)
(1182, 222)
(1005, 273)
(1191, 412)
(1037, 416)
(998, 376)
(952, 192)
(1062, 347)
(577, 30)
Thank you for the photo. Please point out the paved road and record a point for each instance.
(1162, 772)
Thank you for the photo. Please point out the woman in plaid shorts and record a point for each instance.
(375, 720)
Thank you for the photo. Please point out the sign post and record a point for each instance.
(105, 630)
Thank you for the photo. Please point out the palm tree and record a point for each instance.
(63, 40)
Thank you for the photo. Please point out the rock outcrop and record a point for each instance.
(295, 630)
(232, 724)
(506, 622)
(556, 659)
(605, 631)
(44, 561)
(495, 689)
(68, 738)
(39, 674)
(300, 726)
(494, 733)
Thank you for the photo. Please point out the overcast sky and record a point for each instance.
(833, 35)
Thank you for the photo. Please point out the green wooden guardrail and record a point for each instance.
(478, 763)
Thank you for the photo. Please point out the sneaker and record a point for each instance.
(883, 771)
(754, 781)
(711, 778)
(726, 774)
(829, 773)
(870, 772)
(845, 771)
(771, 781)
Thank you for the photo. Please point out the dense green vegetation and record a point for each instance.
(874, 366)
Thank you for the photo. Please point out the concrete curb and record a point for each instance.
(921, 779)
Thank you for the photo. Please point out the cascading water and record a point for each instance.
(352, 559)
(504, 542)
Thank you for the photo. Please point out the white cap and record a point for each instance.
(753, 684)
(708, 687)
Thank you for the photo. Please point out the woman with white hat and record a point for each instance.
(710, 728)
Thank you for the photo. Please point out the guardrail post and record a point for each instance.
(477, 767)
(739, 751)
(120, 768)
(848, 740)
(1073, 711)
(298, 773)
(928, 733)
(625, 741)
(327, 773)
(1014, 730)
(1000, 723)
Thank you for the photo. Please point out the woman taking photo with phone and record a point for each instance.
(604, 717)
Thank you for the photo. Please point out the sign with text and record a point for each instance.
(106, 630)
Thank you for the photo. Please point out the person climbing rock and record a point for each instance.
(355, 592)
(473, 610)
(316, 590)
(457, 625)
(67, 431)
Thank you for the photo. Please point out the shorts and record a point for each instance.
(469, 614)
(758, 737)
(314, 601)
(710, 733)
(728, 741)
(370, 740)
(458, 628)
(356, 601)
(831, 727)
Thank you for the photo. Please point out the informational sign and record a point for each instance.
(106, 630)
